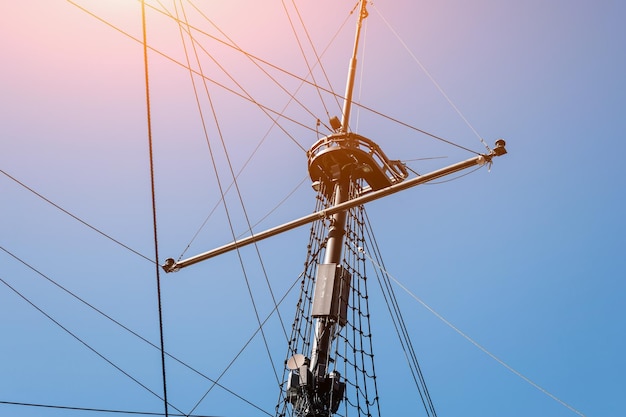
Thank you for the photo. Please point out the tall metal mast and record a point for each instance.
(347, 170)
(347, 103)
(340, 150)
(340, 182)
(323, 391)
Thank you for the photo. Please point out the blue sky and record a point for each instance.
(526, 258)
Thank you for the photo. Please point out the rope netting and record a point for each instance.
(351, 354)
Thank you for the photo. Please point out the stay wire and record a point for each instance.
(250, 339)
(455, 178)
(303, 80)
(234, 176)
(279, 114)
(92, 349)
(219, 202)
(75, 217)
(336, 95)
(97, 410)
(301, 48)
(472, 341)
(222, 86)
(134, 333)
(318, 56)
(257, 60)
(154, 211)
(221, 189)
(320, 88)
(195, 42)
(416, 129)
(432, 79)
(400, 324)
(275, 121)
(280, 203)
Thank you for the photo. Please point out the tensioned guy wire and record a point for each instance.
(301, 48)
(430, 77)
(265, 108)
(49, 317)
(97, 410)
(136, 334)
(154, 214)
(469, 339)
(73, 216)
(219, 182)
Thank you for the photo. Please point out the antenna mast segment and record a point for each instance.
(338, 178)
(366, 196)
(347, 104)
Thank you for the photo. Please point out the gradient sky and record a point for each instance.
(527, 258)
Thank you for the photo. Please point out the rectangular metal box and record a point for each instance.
(332, 292)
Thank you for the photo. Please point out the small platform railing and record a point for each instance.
(349, 153)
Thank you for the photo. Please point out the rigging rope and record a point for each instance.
(259, 221)
(399, 324)
(56, 322)
(432, 79)
(263, 107)
(215, 382)
(351, 351)
(244, 93)
(205, 78)
(241, 202)
(301, 48)
(192, 72)
(154, 213)
(250, 339)
(75, 217)
(98, 410)
(472, 341)
(220, 187)
(257, 60)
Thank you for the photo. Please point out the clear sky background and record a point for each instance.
(527, 258)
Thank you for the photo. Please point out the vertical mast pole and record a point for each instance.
(347, 104)
(325, 327)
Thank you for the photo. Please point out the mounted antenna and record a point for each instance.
(335, 123)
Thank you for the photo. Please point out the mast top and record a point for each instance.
(343, 154)
(347, 104)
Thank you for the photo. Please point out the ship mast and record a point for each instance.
(347, 170)
(383, 176)
(340, 183)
